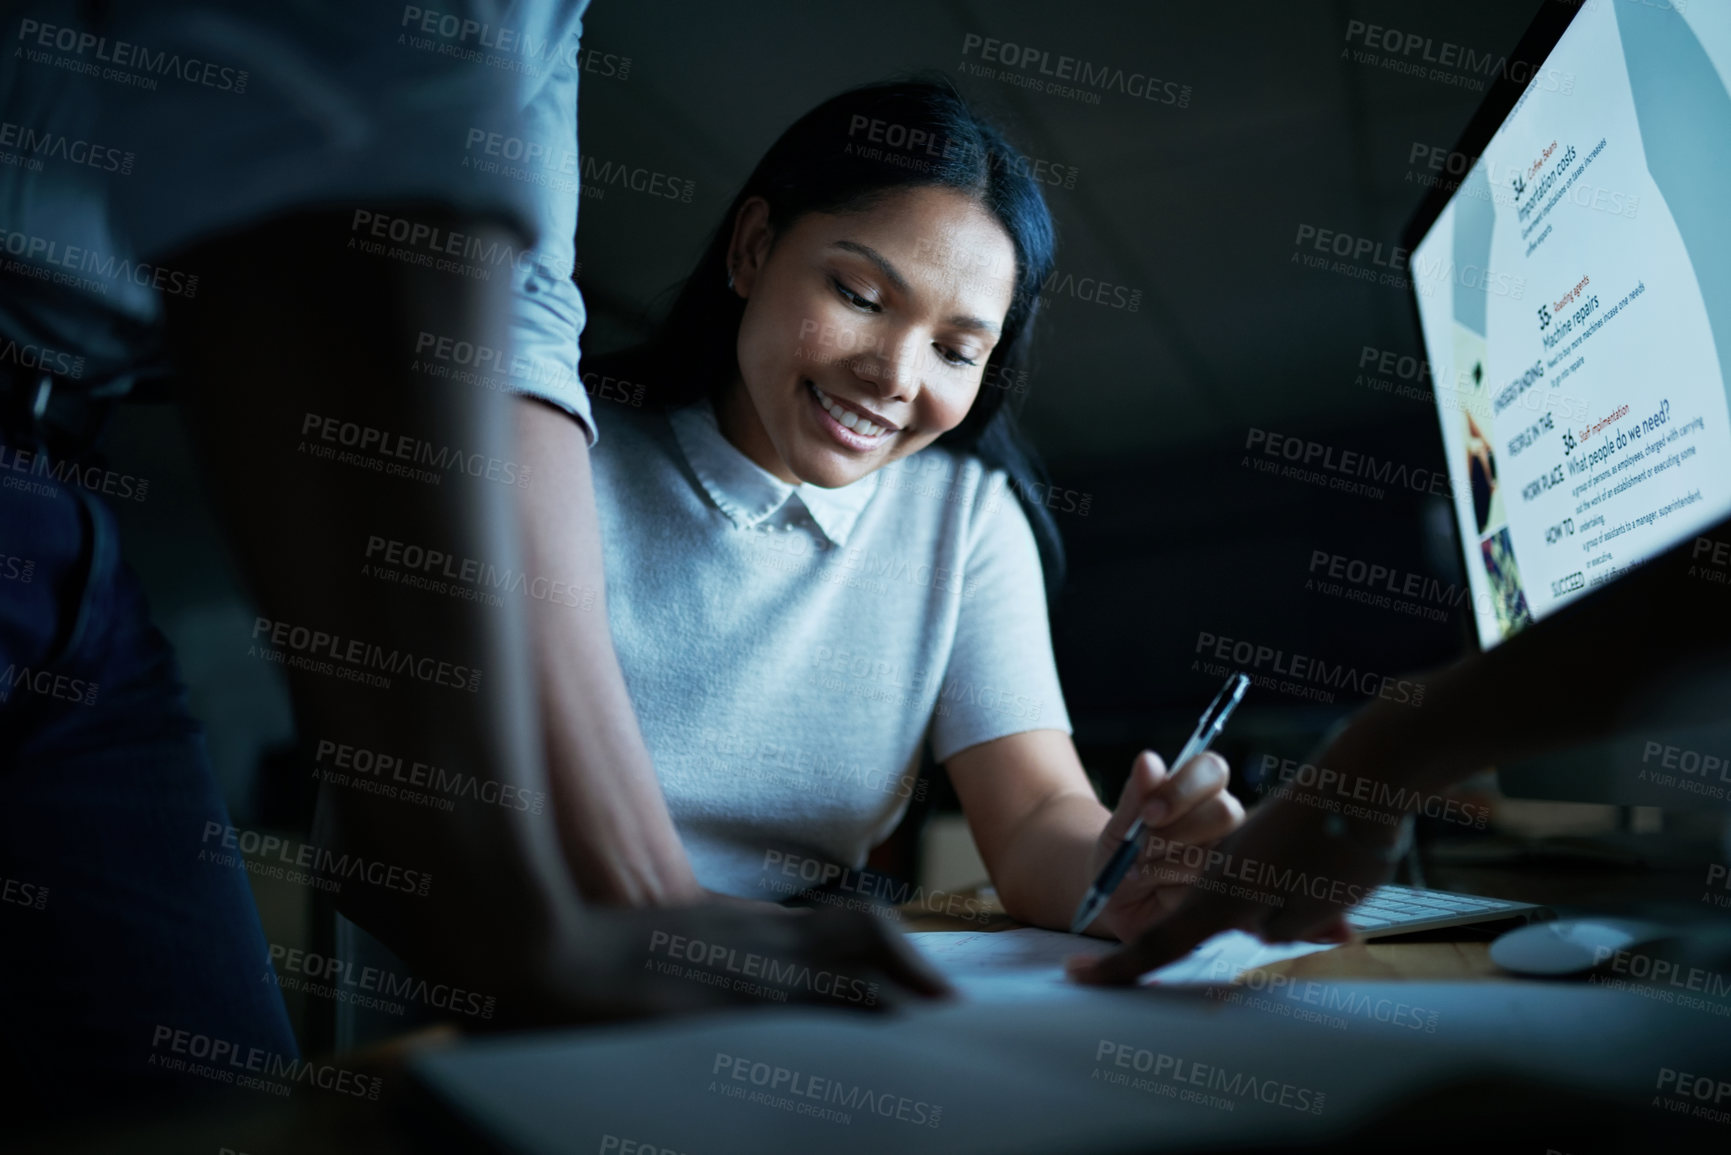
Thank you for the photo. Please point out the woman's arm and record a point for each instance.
(1044, 835)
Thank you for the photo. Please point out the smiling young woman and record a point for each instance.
(894, 332)
(817, 556)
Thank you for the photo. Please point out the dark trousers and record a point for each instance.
(131, 954)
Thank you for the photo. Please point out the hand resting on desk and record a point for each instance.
(719, 955)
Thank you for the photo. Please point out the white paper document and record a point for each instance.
(1028, 963)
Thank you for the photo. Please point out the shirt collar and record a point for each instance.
(747, 493)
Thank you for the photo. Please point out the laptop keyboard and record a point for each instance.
(1398, 909)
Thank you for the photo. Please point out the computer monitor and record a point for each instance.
(1573, 286)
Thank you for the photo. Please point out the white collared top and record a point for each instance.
(789, 648)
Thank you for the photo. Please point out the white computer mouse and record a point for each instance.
(1567, 946)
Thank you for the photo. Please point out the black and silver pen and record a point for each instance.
(1207, 727)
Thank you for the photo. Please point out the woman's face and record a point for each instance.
(865, 334)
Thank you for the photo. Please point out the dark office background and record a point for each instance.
(1146, 413)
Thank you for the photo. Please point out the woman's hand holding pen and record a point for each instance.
(1182, 812)
(1290, 838)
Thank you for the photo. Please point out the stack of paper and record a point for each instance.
(1014, 965)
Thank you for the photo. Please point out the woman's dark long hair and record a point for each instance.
(843, 156)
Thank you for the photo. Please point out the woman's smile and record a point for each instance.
(849, 424)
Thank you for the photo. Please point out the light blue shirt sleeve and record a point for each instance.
(470, 104)
(1001, 678)
(547, 314)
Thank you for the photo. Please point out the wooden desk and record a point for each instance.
(1440, 962)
